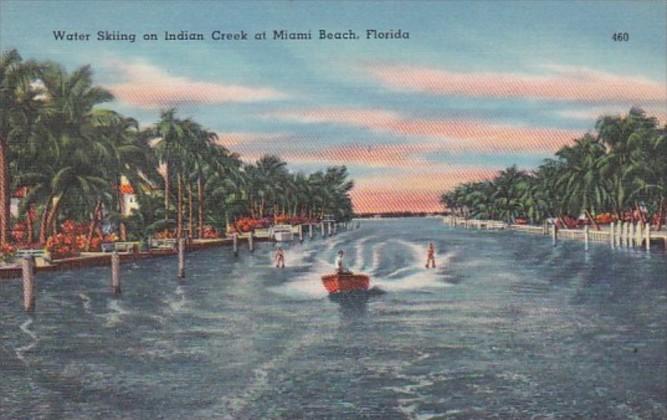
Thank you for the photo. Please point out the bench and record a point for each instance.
(118, 246)
(164, 243)
(124, 246)
(40, 255)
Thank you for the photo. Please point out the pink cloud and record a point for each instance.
(593, 113)
(560, 84)
(413, 191)
(375, 155)
(452, 134)
(151, 87)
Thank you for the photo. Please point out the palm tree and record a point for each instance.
(620, 165)
(18, 109)
(65, 135)
(586, 189)
(509, 187)
(125, 153)
(171, 134)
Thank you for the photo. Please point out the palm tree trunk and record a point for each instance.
(29, 226)
(5, 194)
(661, 213)
(93, 224)
(121, 208)
(43, 222)
(166, 191)
(588, 214)
(179, 208)
(191, 224)
(200, 193)
(53, 215)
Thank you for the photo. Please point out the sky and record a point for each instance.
(478, 86)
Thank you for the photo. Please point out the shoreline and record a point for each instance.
(100, 259)
(626, 235)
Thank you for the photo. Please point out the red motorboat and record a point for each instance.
(345, 282)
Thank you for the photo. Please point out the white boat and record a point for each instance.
(282, 233)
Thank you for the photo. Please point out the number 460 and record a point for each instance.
(621, 36)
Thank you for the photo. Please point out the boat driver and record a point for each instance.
(340, 266)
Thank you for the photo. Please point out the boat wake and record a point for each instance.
(20, 352)
(393, 265)
(85, 301)
(397, 266)
(117, 312)
(179, 301)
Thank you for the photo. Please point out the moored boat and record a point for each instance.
(345, 282)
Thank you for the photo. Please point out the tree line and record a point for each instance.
(69, 156)
(618, 169)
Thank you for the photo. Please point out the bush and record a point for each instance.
(210, 233)
(7, 253)
(64, 245)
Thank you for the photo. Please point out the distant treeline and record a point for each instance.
(619, 168)
(398, 214)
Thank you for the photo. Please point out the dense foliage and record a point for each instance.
(621, 168)
(70, 156)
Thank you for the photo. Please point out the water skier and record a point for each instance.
(430, 255)
(280, 258)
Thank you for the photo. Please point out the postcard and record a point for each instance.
(333, 209)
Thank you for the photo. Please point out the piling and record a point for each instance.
(300, 233)
(322, 228)
(631, 235)
(235, 244)
(181, 258)
(621, 233)
(545, 228)
(329, 229)
(251, 245)
(612, 235)
(554, 234)
(28, 268)
(115, 273)
(586, 238)
(639, 235)
(335, 227)
(647, 234)
(310, 231)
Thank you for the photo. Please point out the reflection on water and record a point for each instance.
(506, 326)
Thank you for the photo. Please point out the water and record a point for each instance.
(507, 326)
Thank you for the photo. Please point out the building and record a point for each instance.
(128, 198)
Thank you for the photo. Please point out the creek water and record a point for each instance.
(506, 326)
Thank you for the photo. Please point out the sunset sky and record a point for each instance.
(478, 86)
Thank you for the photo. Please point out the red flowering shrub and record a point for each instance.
(19, 232)
(605, 218)
(63, 245)
(165, 234)
(7, 253)
(245, 224)
(70, 227)
(282, 219)
(210, 233)
(298, 220)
